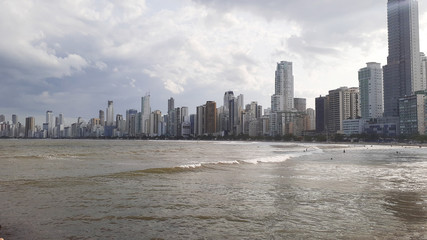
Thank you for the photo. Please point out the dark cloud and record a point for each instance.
(72, 56)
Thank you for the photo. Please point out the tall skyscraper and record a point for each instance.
(371, 91)
(210, 119)
(110, 114)
(229, 95)
(171, 104)
(283, 98)
(102, 117)
(131, 122)
(402, 73)
(145, 113)
(61, 119)
(14, 119)
(2, 118)
(311, 119)
(200, 120)
(50, 123)
(171, 117)
(322, 106)
(145, 105)
(29, 127)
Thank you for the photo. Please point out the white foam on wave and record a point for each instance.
(234, 143)
(199, 165)
(194, 165)
(284, 157)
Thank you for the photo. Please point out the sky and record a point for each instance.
(72, 56)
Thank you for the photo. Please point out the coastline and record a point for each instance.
(394, 143)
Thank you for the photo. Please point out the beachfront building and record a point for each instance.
(29, 127)
(353, 126)
(144, 117)
(322, 105)
(371, 91)
(402, 75)
(343, 104)
(110, 114)
(413, 114)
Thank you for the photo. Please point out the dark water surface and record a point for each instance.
(67, 189)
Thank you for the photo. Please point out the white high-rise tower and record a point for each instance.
(145, 113)
(110, 114)
(371, 91)
(283, 98)
(50, 123)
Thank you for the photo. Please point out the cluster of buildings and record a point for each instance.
(390, 100)
(288, 115)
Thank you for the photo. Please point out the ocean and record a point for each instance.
(101, 189)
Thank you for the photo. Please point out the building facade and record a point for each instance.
(412, 114)
(283, 98)
(402, 73)
(343, 104)
(371, 91)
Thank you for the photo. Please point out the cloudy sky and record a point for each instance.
(72, 56)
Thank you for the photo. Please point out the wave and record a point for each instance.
(199, 166)
(286, 156)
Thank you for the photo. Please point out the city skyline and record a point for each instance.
(85, 59)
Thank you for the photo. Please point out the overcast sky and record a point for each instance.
(72, 56)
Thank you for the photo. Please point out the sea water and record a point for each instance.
(89, 189)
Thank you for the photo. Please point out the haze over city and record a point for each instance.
(71, 57)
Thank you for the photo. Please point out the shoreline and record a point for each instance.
(409, 144)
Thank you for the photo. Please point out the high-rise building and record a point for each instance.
(178, 122)
(343, 104)
(131, 120)
(170, 123)
(211, 118)
(2, 118)
(49, 123)
(322, 105)
(184, 113)
(311, 119)
(283, 98)
(29, 127)
(413, 114)
(229, 95)
(156, 123)
(119, 119)
(200, 120)
(145, 113)
(371, 91)
(61, 119)
(402, 73)
(171, 104)
(102, 117)
(14, 119)
(110, 114)
(300, 104)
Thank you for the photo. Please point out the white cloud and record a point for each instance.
(82, 48)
